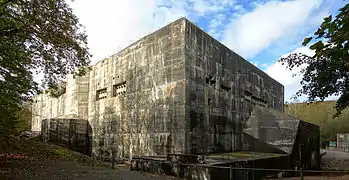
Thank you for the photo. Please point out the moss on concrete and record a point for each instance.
(243, 155)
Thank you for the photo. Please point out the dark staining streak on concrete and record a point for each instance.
(224, 88)
(177, 90)
(186, 93)
(151, 108)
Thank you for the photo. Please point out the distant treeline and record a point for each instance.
(321, 113)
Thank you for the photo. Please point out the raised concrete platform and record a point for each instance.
(214, 166)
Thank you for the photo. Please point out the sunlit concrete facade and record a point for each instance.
(177, 90)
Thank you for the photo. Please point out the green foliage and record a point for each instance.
(24, 117)
(21, 121)
(36, 35)
(58, 90)
(316, 113)
(321, 113)
(327, 72)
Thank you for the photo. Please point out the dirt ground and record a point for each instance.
(346, 177)
(332, 160)
(60, 169)
(34, 160)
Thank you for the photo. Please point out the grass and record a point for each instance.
(34, 148)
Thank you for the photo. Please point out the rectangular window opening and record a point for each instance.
(119, 89)
(101, 94)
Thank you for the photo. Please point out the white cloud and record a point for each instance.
(280, 73)
(208, 6)
(285, 76)
(252, 32)
(112, 25)
(215, 23)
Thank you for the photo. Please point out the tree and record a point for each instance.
(327, 72)
(36, 35)
(24, 117)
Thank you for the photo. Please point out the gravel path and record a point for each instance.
(319, 178)
(331, 160)
(335, 160)
(57, 170)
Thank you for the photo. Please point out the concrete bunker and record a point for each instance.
(178, 91)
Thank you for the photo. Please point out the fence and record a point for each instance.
(211, 172)
(343, 142)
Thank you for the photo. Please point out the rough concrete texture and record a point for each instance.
(278, 132)
(306, 149)
(273, 127)
(222, 89)
(177, 90)
(74, 133)
(143, 113)
(71, 104)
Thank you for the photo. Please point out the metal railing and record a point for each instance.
(205, 171)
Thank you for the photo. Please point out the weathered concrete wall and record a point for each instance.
(306, 149)
(176, 90)
(222, 89)
(136, 98)
(73, 103)
(74, 133)
(45, 107)
(273, 127)
(270, 128)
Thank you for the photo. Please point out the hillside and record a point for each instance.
(321, 113)
(33, 159)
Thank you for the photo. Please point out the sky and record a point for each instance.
(261, 31)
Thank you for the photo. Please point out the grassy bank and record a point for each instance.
(14, 148)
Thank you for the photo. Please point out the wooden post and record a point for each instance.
(301, 174)
(179, 170)
(231, 173)
(301, 163)
(94, 159)
(113, 154)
